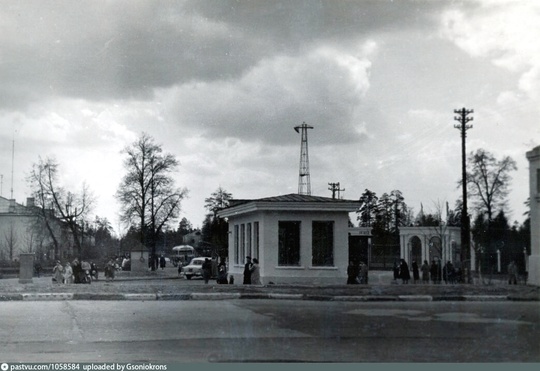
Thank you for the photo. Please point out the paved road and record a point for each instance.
(268, 330)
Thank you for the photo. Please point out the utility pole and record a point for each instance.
(334, 187)
(12, 163)
(465, 221)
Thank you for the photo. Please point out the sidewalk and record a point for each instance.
(166, 285)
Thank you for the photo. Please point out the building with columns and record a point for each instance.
(296, 238)
(430, 243)
(534, 184)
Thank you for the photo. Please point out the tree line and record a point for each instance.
(488, 185)
(151, 202)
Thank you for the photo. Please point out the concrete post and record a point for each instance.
(139, 261)
(498, 261)
(26, 268)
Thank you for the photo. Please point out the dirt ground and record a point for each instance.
(168, 282)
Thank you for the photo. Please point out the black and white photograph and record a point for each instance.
(268, 181)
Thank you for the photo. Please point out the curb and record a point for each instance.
(285, 296)
(171, 297)
(415, 298)
(485, 297)
(215, 296)
(47, 296)
(93, 296)
(10, 297)
(274, 296)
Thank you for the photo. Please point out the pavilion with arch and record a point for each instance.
(441, 243)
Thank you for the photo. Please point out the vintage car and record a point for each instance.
(194, 268)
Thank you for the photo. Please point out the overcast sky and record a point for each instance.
(221, 85)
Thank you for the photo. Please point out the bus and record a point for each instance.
(182, 255)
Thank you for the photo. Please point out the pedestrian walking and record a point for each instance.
(425, 272)
(162, 262)
(448, 273)
(433, 272)
(222, 272)
(255, 272)
(58, 270)
(37, 268)
(438, 264)
(352, 273)
(396, 270)
(247, 271)
(77, 270)
(206, 270)
(415, 271)
(404, 273)
(364, 270)
(512, 273)
(109, 270)
(68, 274)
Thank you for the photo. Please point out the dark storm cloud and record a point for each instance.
(124, 49)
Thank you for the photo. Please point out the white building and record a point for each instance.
(534, 183)
(296, 238)
(22, 231)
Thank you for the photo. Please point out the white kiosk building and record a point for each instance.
(296, 238)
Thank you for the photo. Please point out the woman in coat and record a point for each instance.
(68, 274)
(58, 272)
(222, 272)
(255, 272)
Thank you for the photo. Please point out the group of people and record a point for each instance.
(252, 273)
(433, 272)
(75, 272)
(208, 267)
(357, 273)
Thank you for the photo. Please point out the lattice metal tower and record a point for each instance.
(304, 183)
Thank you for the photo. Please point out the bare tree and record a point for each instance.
(147, 194)
(489, 180)
(56, 203)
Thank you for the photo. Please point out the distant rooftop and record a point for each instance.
(291, 201)
(291, 197)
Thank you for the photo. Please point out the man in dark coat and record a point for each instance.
(433, 271)
(415, 271)
(247, 271)
(77, 271)
(404, 273)
(352, 273)
(207, 270)
(396, 270)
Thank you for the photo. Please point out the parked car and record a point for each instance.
(194, 268)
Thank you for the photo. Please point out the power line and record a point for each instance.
(334, 187)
